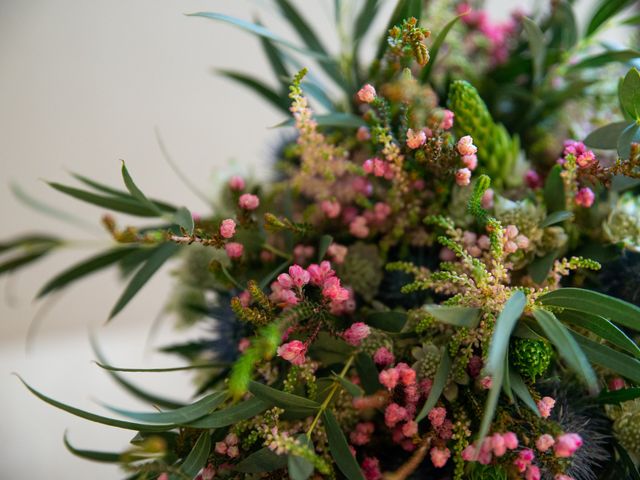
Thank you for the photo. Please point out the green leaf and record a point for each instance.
(537, 47)
(609, 358)
(630, 93)
(300, 468)
(522, 391)
(539, 269)
(233, 414)
(21, 261)
(439, 382)
(258, 30)
(184, 219)
(197, 458)
(353, 389)
(594, 303)
(264, 283)
(606, 137)
(602, 59)
(391, 321)
(435, 48)
(364, 19)
(112, 422)
(162, 370)
(606, 10)
(264, 460)
(629, 135)
(136, 192)
(603, 328)
(454, 315)
(329, 350)
(339, 448)
(490, 407)
(103, 457)
(336, 119)
(615, 397)
(632, 20)
(161, 254)
(263, 90)
(86, 267)
(556, 217)
(288, 401)
(368, 373)
(554, 190)
(504, 325)
(566, 346)
(276, 60)
(179, 416)
(323, 246)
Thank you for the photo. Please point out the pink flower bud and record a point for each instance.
(486, 382)
(616, 383)
(415, 139)
(293, 351)
(447, 120)
(463, 177)
(236, 183)
(227, 228)
(533, 473)
(299, 276)
(234, 249)
(356, 333)
(487, 199)
(383, 357)
(367, 94)
(497, 445)
(469, 453)
(330, 209)
(363, 134)
(545, 405)
(410, 428)
(389, 378)
(439, 456)
(585, 197)
(221, 448)
(358, 227)
(465, 146)
(247, 201)
(544, 442)
(470, 161)
(285, 281)
(437, 416)
(394, 414)
(510, 440)
(567, 444)
(533, 179)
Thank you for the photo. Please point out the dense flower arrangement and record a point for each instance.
(441, 282)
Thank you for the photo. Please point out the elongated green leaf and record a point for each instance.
(300, 25)
(629, 135)
(439, 382)
(197, 458)
(594, 303)
(606, 137)
(278, 398)
(505, 324)
(264, 460)
(615, 397)
(606, 357)
(340, 448)
(260, 31)
(112, 422)
(330, 350)
(554, 190)
(629, 93)
(522, 392)
(566, 346)
(454, 315)
(603, 328)
(628, 463)
(336, 119)
(276, 60)
(556, 217)
(179, 416)
(353, 389)
(300, 468)
(391, 321)
(368, 373)
(323, 246)
(435, 48)
(257, 86)
(605, 10)
(21, 261)
(632, 20)
(162, 370)
(136, 192)
(363, 20)
(163, 253)
(86, 267)
(537, 47)
(30, 243)
(539, 269)
(602, 59)
(233, 414)
(103, 457)
(264, 283)
(183, 218)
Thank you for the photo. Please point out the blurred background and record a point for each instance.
(83, 85)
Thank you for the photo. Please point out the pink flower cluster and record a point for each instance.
(383, 357)
(545, 405)
(371, 468)
(293, 352)
(494, 445)
(415, 139)
(585, 197)
(330, 208)
(439, 456)
(248, 201)
(361, 435)
(584, 157)
(447, 119)
(513, 240)
(367, 93)
(337, 253)
(227, 228)
(229, 446)
(236, 183)
(467, 150)
(378, 167)
(356, 333)
(234, 250)
(207, 473)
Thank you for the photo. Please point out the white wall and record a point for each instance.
(82, 85)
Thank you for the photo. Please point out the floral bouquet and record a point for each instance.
(442, 280)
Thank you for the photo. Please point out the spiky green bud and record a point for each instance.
(531, 357)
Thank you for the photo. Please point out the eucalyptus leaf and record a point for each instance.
(103, 457)
(275, 98)
(522, 391)
(299, 467)
(606, 137)
(136, 192)
(556, 217)
(537, 47)
(278, 398)
(233, 414)
(439, 382)
(197, 458)
(606, 357)
(339, 448)
(454, 315)
(389, 321)
(264, 460)
(353, 389)
(502, 330)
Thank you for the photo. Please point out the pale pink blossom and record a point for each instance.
(486, 382)
(248, 201)
(498, 445)
(544, 442)
(299, 276)
(394, 414)
(221, 448)
(522, 242)
(293, 351)
(363, 134)
(439, 456)
(381, 211)
(367, 93)
(487, 199)
(407, 374)
(463, 177)
(228, 228)
(358, 227)
(331, 209)
(383, 357)
(470, 161)
(533, 473)
(447, 120)
(337, 252)
(510, 440)
(616, 383)
(233, 451)
(437, 416)
(284, 280)
(415, 139)
(447, 255)
(410, 428)
(319, 273)
(484, 242)
(371, 468)
(234, 249)
(585, 197)
(545, 405)
(389, 378)
(356, 333)
(567, 444)
(243, 344)
(236, 183)
(361, 435)
(465, 146)
(469, 453)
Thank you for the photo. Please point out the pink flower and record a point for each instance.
(447, 120)
(356, 333)
(245, 298)
(470, 161)
(533, 473)
(163, 476)
(383, 357)
(545, 405)
(233, 451)
(487, 199)
(247, 201)
(439, 456)
(463, 177)
(437, 416)
(362, 433)
(293, 352)
(227, 228)
(527, 455)
(585, 197)
(407, 374)
(285, 281)
(337, 252)
(234, 249)
(393, 414)
(465, 146)
(381, 211)
(208, 473)
(363, 134)
(243, 344)
(299, 276)
(510, 440)
(469, 453)
(410, 428)
(389, 378)
(236, 183)
(544, 442)
(330, 209)
(371, 469)
(415, 139)
(522, 242)
(486, 382)
(567, 444)
(498, 445)
(533, 179)
(358, 227)
(221, 448)
(319, 273)
(334, 291)
(616, 383)
(367, 93)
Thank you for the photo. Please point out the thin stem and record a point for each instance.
(327, 400)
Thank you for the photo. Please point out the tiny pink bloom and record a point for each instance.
(331, 209)
(407, 374)
(227, 228)
(484, 242)
(465, 146)
(381, 210)
(510, 247)
(469, 453)
(470, 161)
(544, 442)
(248, 201)
(356, 333)
(293, 352)
(410, 428)
(522, 242)
(533, 473)
(231, 439)
(285, 281)
(243, 344)
(567, 444)
(383, 357)
(533, 179)
(487, 199)
(371, 468)
(389, 378)
(526, 455)
(510, 440)
(380, 167)
(498, 445)
(332, 290)
(245, 298)
(367, 93)
(545, 405)
(163, 476)
(520, 465)
(367, 166)
(415, 139)
(585, 197)
(319, 273)
(437, 416)
(221, 448)
(616, 383)
(486, 382)
(234, 249)
(585, 159)
(299, 276)
(208, 473)
(439, 456)
(358, 227)
(236, 183)
(337, 253)
(511, 232)
(233, 451)
(447, 255)
(463, 177)
(363, 134)
(447, 120)
(394, 414)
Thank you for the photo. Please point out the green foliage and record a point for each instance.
(531, 357)
(497, 151)
(339, 448)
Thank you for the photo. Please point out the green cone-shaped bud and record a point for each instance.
(531, 357)
(497, 150)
